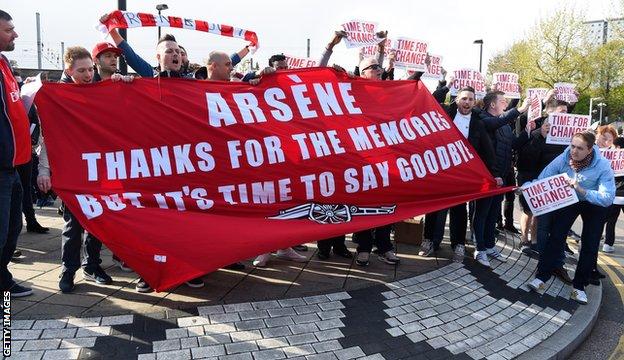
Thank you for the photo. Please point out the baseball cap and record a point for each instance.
(104, 46)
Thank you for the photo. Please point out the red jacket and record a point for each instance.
(15, 147)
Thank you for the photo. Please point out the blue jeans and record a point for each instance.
(10, 222)
(593, 217)
(484, 212)
(544, 224)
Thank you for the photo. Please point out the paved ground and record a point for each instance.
(606, 340)
(424, 308)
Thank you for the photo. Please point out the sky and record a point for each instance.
(449, 26)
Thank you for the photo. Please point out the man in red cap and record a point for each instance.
(105, 57)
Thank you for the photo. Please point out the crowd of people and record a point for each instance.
(513, 149)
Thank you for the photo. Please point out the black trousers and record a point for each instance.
(593, 217)
(72, 241)
(612, 217)
(337, 243)
(379, 236)
(25, 175)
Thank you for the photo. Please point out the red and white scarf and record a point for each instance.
(124, 19)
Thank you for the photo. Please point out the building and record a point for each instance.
(602, 31)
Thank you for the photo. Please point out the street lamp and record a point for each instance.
(480, 42)
(161, 7)
(601, 105)
(591, 104)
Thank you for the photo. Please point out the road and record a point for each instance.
(606, 340)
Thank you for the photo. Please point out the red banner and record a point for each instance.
(180, 177)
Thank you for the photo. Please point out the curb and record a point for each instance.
(565, 340)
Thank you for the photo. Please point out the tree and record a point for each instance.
(555, 51)
(561, 41)
(520, 59)
(608, 68)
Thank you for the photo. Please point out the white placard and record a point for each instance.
(535, 108)
(434, 69)
(539, 92)
(549, 194)
(616, 157)
(28, 92)
(566, 92)
(410, 54)
(371, 50)
(564, 126)
(468, 77)
(295, 62)
(360, 33)
(508, 83)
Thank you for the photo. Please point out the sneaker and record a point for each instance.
(122, 265)
(579, 296)
(537, 285)
(534, 248)
(235, 266)
(574, 235)
(525, 246)
(342, 252)
(37, 228)
(426, 248)
(595, 274)
(18, 291)
(569, 252)
(66, 284)
(290, 254)
(262, 260)
(389, 257)
(195, 283)
(495, 254)
(512, 229)
(459, 253)
(301, 247)
(16, 254)
(321, 255)
(562, 274)
(97, 275)
(362, 258)
(142, 286)
(608, 248)
(481, 257)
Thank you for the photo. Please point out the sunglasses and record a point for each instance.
(372, 67)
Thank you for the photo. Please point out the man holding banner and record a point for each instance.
(592, 178)
(15, 149)
(466, 118)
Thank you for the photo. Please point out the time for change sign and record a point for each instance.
(564, 126)
(616, 157)
(549, 194)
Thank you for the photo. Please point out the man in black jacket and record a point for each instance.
(487, 210)
(466, 118)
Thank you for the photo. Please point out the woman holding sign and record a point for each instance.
(592, 178)
(614, 210)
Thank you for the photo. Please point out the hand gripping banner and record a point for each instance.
(182, 178)
(124, 19)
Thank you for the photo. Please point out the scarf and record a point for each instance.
(577, 166)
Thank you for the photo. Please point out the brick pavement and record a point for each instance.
(424, 308)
